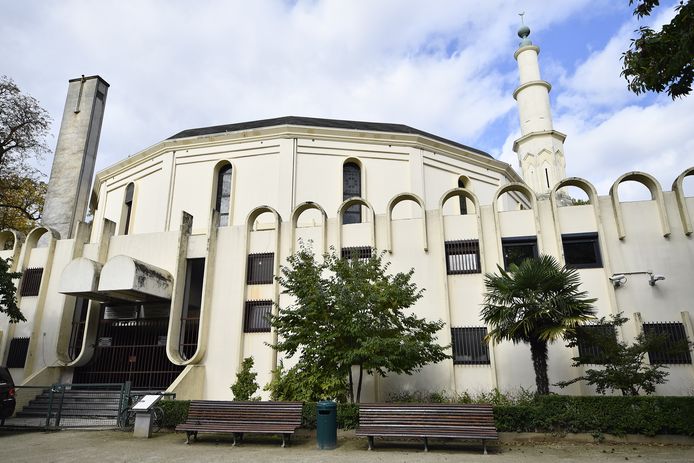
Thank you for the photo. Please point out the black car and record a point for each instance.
(7, 400)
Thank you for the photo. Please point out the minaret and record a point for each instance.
(540, 148)
(70, 183)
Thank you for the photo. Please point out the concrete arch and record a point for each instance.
(32, 241)
(215, 185)
(532, 199)
(678, 189)
(17, 242)
(298, 210)
(340, 217)
(580, 183)
(250, 219)
(653, 186)
(518, 187)
(397, 199)
(461, 192)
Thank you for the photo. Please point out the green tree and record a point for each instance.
(307, 383)
(24, 125)
(8, 301)
(245, 385)
(664, 60)
(536, 302)
(622, 365)
(351, 312)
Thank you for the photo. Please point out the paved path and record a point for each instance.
(168, 447)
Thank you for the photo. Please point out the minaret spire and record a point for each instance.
(540, 148)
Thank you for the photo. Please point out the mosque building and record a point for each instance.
(168, 283)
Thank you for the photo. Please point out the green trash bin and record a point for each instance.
(326, 425)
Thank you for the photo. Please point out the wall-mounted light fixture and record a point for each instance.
(619, 279)
(652, 278)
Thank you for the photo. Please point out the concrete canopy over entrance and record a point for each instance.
(128, 279)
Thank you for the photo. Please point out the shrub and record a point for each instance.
(175, 412)
(245, 385)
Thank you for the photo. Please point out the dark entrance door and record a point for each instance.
(130, 346)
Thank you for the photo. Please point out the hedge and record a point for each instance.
(618, 415)
(554, 413)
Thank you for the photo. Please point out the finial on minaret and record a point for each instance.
(523, 33)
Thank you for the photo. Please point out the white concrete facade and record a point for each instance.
(157, 216)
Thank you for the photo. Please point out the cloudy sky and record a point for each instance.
(443, 66)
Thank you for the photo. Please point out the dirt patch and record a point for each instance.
(169, 447)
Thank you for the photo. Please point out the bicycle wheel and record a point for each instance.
(157, 419)
(127, 421)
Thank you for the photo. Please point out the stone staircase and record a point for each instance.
(78, 407)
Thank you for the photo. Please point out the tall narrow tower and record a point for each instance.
(540, 148)
(67, 197)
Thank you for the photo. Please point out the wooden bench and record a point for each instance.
(238, 418)
(460, 421)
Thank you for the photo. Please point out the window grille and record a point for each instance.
(17, 355)
(588, 348)
(257, 317)
(224, 195)
(462, 199)
(79, 319)
(361, 253)
(192, 302)
(260, 269)
(469, 346)
(582, 250)
(516, 250)
(462, 257)
(31, 281)
(674, 350)
(351, 187)
(128, 204)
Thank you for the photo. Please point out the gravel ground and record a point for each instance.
(169, 447)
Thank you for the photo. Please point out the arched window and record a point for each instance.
(351, 187)
(128, 203)
(223, 195)
(463, 199)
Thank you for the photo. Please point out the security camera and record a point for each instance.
(652, 278)
(618, 280)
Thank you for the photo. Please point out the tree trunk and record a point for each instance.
(538, 351)
(351, 386)
(361, 376)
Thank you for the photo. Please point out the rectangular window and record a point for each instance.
(260, 268)
(361, 253)
(581, 250)
(462, 257)
(257, 317)
(469, 346)
(516, 250)
(588, 337)
(674, 350)
(17, 354)
(31, 282)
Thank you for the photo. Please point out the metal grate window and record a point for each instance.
(17, 354)
(469, 346)
(351, 187)
(516, 250)
(260, 269)
(361, 253)
(462, 257)
(587, 337)
(674, 351)
(257, 317)
(31, 281)
(581, 250)
(79, 320)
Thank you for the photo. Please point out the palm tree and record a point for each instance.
(536, 302)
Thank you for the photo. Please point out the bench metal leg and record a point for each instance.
(234, 443)
(484, 446)
(371, 442)
(426, 444)
(285, 440)
(188, 434)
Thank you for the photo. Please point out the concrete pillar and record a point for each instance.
(70, 183)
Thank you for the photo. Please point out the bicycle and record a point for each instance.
(127, 420)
